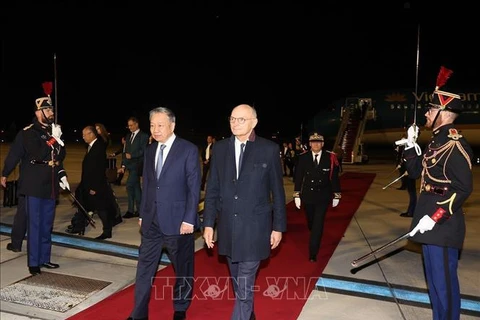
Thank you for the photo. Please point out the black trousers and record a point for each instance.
(412, 194)
(315, 220)
(19, 227)
(206, 167)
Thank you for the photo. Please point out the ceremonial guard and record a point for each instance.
(445, 168)
(316, 186)
(43, 174)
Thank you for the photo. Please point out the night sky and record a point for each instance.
(289, 59)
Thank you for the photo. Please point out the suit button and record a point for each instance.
(235, 197)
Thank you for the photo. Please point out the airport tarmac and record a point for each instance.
(391, 287)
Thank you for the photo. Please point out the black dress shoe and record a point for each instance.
(117, 220)
(34, 270)
(130, 318)
(12, 248)
(406, 215)
(75, 230)
(128, 215)
(103, 236)
(313, 258)
(179, 315)
(252, 316)
(51, 265)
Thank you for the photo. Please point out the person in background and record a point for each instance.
(168, 213)
(245, 193)
(43, 174)
(438, 224)
(132, 160)
(206, 154)
(16, 156)
(120, 175)
(103, 133)
(94, 181)
(316, 184)
(400, 165)
(283, 155)
(339, 153)
(290, 159)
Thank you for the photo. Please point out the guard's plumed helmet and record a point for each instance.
(442, 99)
(43, 103)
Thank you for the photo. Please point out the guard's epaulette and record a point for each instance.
(28, 127)
(453, 134)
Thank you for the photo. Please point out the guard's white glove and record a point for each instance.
(425, 224)
(57, 133)
(412, 135)
(298, 202)
(411, 140)
(64, 183)
(335, 202)
(56, 130)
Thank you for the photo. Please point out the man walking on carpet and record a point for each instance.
(316, 185)
(168, 213)
(245, 197)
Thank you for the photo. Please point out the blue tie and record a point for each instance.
(160, 161)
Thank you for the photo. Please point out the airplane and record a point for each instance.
(379, 118)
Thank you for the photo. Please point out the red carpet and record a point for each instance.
(284, 281)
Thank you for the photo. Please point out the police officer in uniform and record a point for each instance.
(445, 168)
(43, 174)
(316, 184)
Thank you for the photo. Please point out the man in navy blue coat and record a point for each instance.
(168, 212)
(245, 191)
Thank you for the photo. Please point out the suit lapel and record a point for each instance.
(174, 149)
(230, 158)
(153, 151)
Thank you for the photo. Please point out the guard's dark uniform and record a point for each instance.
(16, 155)
(317, 185)
(446, 182)
(42, 173)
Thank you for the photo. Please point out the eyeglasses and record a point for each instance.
(239, 120)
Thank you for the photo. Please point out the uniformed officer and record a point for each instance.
(316, 183)
(15, 156)
(445, 168)
(43, 173)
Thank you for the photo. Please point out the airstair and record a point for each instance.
(355, 114)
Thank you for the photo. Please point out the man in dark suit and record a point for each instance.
(132, 160)
(206, 154)
(168, 212)
(316, 183)
(245, 190)
(94, 182)
(16, 156)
